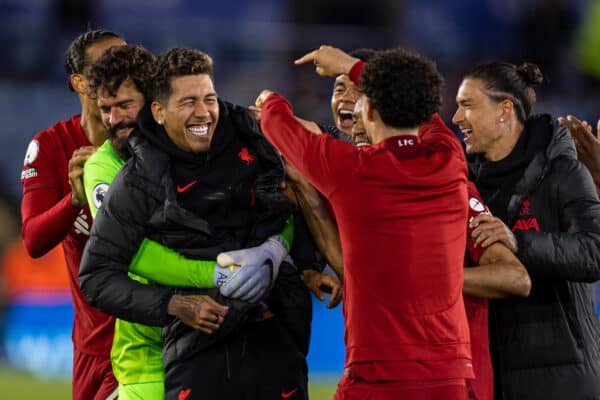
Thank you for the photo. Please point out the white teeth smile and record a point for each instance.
(467, 131)
(346, 113)
(199, 130)
(362, 144)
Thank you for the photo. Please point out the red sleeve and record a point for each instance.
(325, 162)
(435, 126)
(356, 71)
(47, 217)
(476, 207)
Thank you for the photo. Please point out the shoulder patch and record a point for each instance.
(476, 205)
(29, 173)
(98, 194)
(32, 152)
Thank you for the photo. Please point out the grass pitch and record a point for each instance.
(15, 384)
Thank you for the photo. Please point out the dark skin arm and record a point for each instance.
(320, 223)
(499, 275)
(198, 311)
(587, 144)
(320, 283)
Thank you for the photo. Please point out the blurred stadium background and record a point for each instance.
(253, 43)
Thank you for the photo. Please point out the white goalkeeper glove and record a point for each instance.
(252, 271)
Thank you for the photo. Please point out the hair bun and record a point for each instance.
(530, 73)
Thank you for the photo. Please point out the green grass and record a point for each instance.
(21, 385)
(15, 384)
(321, 390)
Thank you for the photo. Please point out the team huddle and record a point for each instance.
(465, 270)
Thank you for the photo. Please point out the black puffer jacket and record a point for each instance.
(142, 202)
(548, 345)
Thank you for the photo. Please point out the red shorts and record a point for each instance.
(93, 378)
(357, 389)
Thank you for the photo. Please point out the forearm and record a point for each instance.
(310, 125)
(317, 157)
(496, 281)
(165, 266)
(322, 226)
(42, 231)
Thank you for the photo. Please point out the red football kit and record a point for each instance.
(49, 218)
(482, 387)
(401, 207)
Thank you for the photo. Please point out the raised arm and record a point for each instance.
(322, 160)
(47, 214)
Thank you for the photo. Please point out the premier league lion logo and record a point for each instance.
(98, 194)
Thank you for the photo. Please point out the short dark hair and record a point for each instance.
(504, 81)
(363, 54)
(404, 87)
(120, 63)
(76, 55)
(175, 63)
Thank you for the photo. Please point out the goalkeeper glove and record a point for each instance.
(257, 269)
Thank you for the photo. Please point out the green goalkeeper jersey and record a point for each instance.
(136, 353)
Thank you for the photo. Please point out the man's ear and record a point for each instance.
(79, 83)
(158, 112)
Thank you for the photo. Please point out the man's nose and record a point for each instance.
(458, 116)
(350, 94)
(200, 110)
(114, 117)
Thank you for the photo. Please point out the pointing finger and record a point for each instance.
(308, 57)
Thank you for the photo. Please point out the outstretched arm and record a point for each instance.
(587, 144)
(329, 61)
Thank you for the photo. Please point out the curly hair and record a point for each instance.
(76, 57)
(504, 81)
(120, 63)
(363, 54)
(405, 88)
(178, 62)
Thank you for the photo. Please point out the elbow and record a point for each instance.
(33, 249)
(88, 286)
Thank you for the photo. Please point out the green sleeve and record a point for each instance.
(152, 261)
(98, 173)
(288, 233)
(167, 267)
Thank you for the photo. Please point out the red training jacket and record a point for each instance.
(401, 207)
